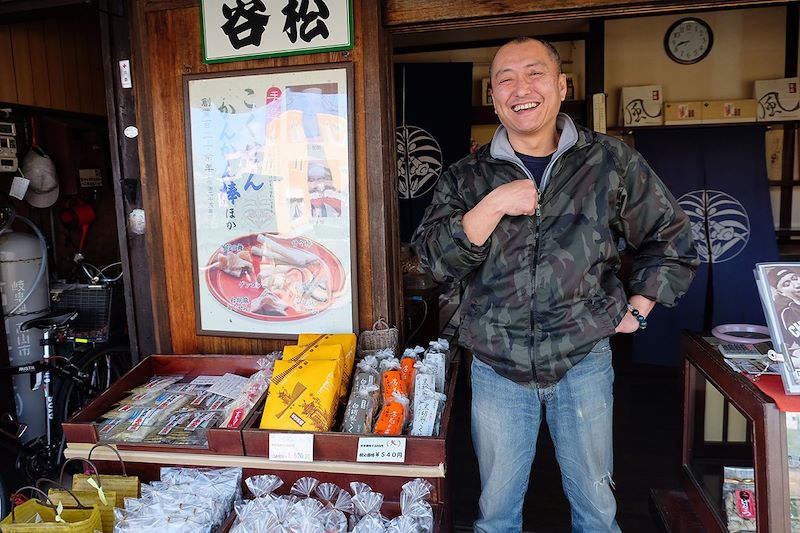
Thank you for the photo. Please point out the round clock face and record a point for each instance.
(688, 41)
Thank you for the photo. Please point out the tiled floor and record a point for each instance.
(646, 449)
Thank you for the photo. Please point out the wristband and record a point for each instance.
(638, 316)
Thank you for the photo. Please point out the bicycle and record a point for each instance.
(80, 377)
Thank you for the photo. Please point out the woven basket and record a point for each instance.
(380, 337)
(22, 518)
(124, 485)
(87, 497)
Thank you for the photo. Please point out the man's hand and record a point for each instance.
(629, 323)
(518, 197)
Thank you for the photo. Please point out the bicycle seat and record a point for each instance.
(54, 319)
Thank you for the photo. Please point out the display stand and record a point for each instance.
(334, 453)
(702, 462)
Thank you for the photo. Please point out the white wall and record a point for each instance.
(748, 45)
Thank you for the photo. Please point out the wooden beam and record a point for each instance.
(408, 16)
(377, 86)
(149, 257)
(121, 111)
(788, 182)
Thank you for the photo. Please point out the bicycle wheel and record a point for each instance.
(102, 367)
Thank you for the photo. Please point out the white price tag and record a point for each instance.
(291, 447)
(19, 186)
(229, 385)
(381, 450)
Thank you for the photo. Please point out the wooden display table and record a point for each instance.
(702, 461)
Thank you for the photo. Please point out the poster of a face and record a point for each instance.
(779, 287)
(271, 182)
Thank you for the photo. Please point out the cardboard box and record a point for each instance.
(82, 427)
(642, 106)
(486, 92)
(683, 112)
(721, 111)
(777, 100)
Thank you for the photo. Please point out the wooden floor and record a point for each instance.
(646, 451)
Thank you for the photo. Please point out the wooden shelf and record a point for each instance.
(632, 129)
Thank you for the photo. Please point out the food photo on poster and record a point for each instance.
(270, 158)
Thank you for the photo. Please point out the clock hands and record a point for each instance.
(682, 43)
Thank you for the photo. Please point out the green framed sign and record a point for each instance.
(238, 30)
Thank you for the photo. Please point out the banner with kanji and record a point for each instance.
(235, 30)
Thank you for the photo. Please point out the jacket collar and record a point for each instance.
(500, 147)
(569, 136)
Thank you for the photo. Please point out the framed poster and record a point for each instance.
(236, 30)
(270, 158)
(779, 289)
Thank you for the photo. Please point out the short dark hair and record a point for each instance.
(554, 55)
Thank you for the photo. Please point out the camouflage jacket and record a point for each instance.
(543, 289)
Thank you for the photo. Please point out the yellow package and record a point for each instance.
(317, 352)
(348, 342)
(303, 395)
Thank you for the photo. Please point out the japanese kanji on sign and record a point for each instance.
(271, 177)
(235, 30)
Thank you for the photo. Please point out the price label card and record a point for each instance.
(381, 450)
(291, 447)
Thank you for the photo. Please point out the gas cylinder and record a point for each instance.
(20, 260)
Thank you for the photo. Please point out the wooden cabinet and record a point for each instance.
(703, 460)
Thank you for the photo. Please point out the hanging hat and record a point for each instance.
(40, 170)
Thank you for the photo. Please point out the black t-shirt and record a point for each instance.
(535, 165)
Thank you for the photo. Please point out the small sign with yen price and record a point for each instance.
(291, 447)
(381, 450)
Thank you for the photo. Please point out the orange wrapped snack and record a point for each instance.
(392, 418)
(393, 384)
(407, 363)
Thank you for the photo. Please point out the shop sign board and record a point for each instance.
(237, 30)
(270, 166)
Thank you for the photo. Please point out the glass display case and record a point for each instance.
(746, 430)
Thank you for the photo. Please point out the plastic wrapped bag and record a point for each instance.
(739, 498)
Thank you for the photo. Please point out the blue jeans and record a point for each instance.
(505, 425)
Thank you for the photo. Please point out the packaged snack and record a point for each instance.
(249, 395)
(392, 379)
(360, 411)
(320, 352)
(739, 497)
(427, 409)
(392, 419)
(407, 362)
(347, 342)
(424, 379)
(438, 362)
(303, 396)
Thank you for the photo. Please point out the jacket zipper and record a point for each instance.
(534, 264)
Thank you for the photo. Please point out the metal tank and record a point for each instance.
(20, 260)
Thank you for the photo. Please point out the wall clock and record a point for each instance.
(688, 40)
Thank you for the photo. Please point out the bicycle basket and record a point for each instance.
(101, 312)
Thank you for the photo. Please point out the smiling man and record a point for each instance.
(532, 224)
